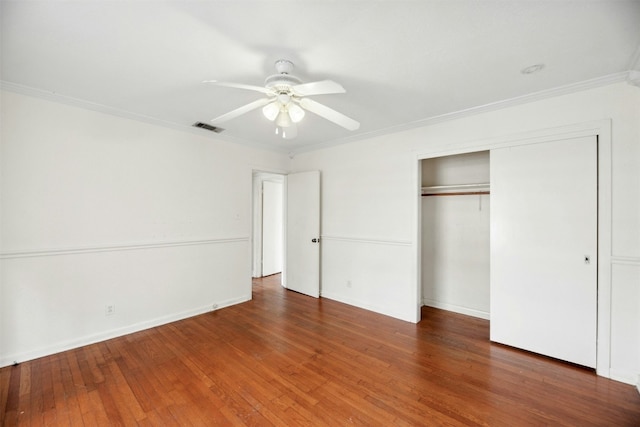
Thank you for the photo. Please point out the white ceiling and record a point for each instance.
(401, 62)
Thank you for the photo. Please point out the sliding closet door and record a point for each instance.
(544, 248)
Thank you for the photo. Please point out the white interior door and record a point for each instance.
(272, 218)
(302, 267)
(544, 248)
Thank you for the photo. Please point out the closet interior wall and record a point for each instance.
(455, 233)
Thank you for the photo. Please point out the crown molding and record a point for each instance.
(100, 108)
(493, 106)
(632, 77)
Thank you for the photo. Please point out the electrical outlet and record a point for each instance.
(348, 283)
(109, 310)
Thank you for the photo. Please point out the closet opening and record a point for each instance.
(455, 253)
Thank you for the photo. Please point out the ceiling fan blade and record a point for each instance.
(240, 111)
(329, 114)
(240, 86)
(318, 88)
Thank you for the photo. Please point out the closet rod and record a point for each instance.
(456, 189)
(460, 193)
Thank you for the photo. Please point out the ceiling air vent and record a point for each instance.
(208, 127)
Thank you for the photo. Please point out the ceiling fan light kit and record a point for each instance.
(287, 101)
(283, 120)
(296, 113)
(271, 111)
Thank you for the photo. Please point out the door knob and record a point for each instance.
(315, 240)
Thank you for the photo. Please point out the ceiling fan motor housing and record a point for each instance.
(282, 81)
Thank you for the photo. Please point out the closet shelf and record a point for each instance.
(456, 189)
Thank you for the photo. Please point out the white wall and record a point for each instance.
(99, 210)
(455, 236)
(369, 197)
(455, 254)
(370, 208)
(102, 210)
(468, 168)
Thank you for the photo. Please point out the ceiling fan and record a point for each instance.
(286, 101)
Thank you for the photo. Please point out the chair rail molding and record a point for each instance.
(30, 253)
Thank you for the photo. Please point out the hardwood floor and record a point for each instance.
(287, 359)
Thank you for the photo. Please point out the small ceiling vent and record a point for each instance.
(208, 127)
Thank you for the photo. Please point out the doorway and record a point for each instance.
(286, 229)
(268, 224)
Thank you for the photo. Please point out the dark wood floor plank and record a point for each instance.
(60, 379)
(12, 384)
(287, 359)
(5, 387)
(298, 412)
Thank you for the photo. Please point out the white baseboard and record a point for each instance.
(456, 309)
(626, 377)
(370, 307)
(10, 359)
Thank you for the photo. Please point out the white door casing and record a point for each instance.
(302, 266)
(544, 225)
